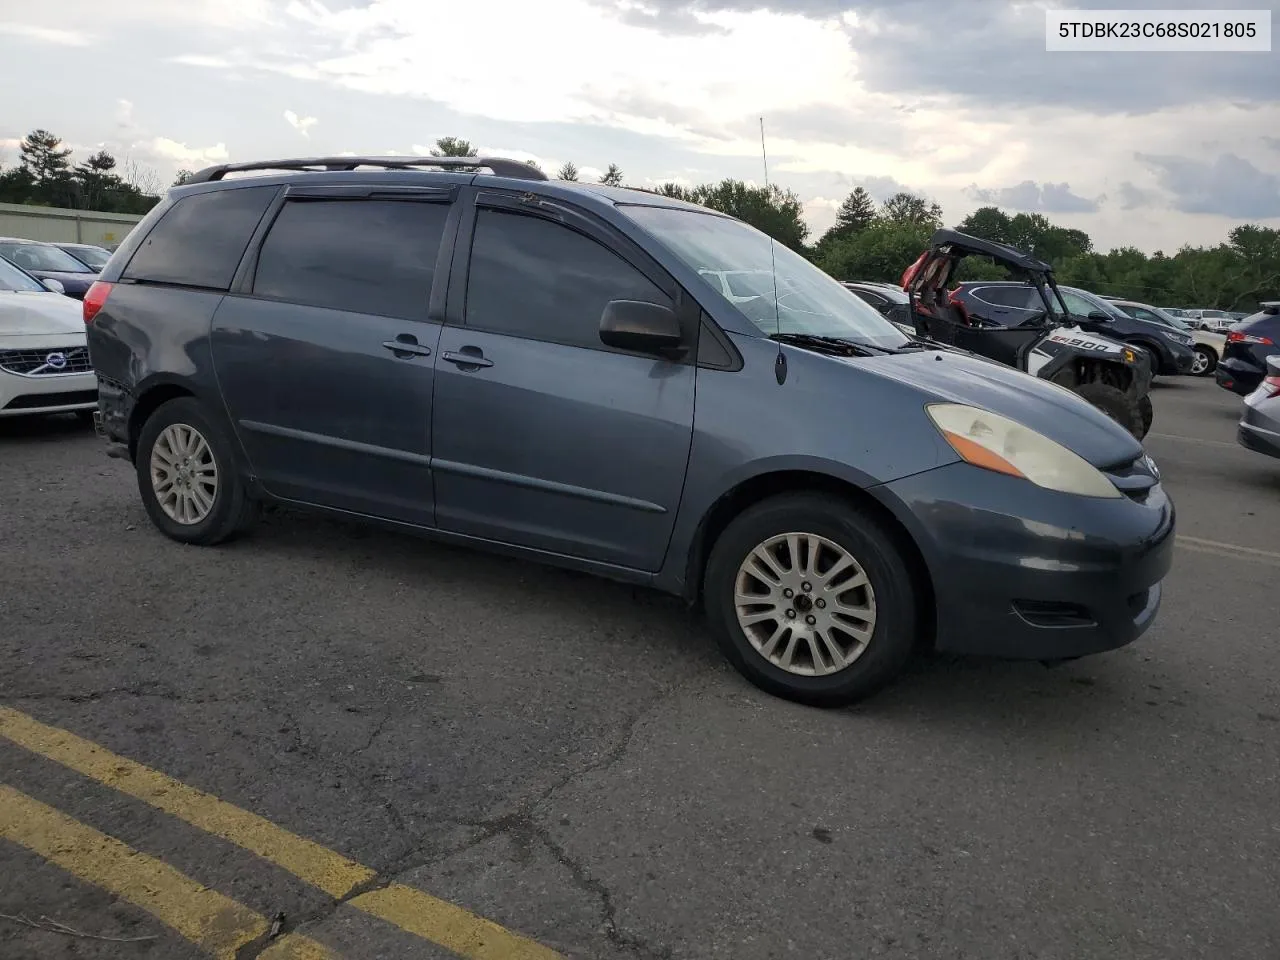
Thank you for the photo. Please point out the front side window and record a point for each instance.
(200, 239)
(37, 256)
(91, 256)
(799, 297)
(540, 280)
(1077, 304)
(361, 256)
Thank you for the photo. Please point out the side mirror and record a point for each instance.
(54, 286)
(1099, 317)
(641, 327)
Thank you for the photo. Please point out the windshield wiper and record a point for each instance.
(840, 345)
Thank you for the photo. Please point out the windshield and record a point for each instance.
(94, 257)
(13, 279)
(37, 256)
(808, 301)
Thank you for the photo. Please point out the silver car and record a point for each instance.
(1260, 425)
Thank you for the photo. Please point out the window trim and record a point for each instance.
(247, 253)
(592, 229)
(242, 285)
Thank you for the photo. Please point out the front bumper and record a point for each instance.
(1183, 361)
(1025, 573)
(48, 391)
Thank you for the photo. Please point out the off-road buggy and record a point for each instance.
(1055, 345)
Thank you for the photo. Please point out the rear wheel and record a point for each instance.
(1148, 413)
(187, 475)
(1118, 405)
(811, 600)
(1205, 363)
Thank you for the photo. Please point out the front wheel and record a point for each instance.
(1205, 363)
(811, 600)
(1118, 405)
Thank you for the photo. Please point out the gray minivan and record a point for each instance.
(468, 349)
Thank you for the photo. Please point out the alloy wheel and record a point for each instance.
(1201, 363)
(184, 474)
(805, 604)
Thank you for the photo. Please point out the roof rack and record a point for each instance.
(501, 166)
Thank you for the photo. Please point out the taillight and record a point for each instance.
(1235, 336)
(95, 298)
(1272, 386)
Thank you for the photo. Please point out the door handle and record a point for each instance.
(467, 357)
(407, 345)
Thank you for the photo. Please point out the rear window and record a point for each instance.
(199, 241)
(1023, 297)
(1266, 317)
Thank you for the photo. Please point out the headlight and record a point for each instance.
(993, 442)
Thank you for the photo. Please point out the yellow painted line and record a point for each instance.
(215, 923)
(305, 859)
(1227, 549)
(448, 925)
(410, 909)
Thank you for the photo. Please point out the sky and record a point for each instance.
(954, 99)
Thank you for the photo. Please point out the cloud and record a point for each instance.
(1272, 142)
(1133, 197)
(302, 124)
(1033, 197)
(1228, 186)
(53, 35)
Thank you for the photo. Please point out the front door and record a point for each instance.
(325, 357)
(544, 437)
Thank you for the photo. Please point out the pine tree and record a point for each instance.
(613, 176)
(567, 171)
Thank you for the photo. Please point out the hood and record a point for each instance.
(1044, 407)
(39, 313)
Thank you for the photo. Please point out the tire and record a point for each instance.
(1148, 414)
(834, 526)
(1116, 404)
(1205, 363)
(161, 441)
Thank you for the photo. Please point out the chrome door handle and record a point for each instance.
(467, 357)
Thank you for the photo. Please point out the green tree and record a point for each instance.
(905, 207)
(987, 223)
(182, 177)
(44, 157)
(880, 252)
(97, 181)
(673, 190)
(613, 176)
(769, 209)
(453, 147)
(856, 213)
(567, 171)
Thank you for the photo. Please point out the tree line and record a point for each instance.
(45, 177)
(868, 241)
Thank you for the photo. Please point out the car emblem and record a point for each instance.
(56, 361)
(1151, 465)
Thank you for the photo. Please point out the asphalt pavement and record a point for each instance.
(533, 757)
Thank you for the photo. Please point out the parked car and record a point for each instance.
(891, 301)
(1259, 427)
(47, 262)
(1170, 351)
(1208, 347)
(44, 362)
(552, 370)
(92, 256)
(1213, 320)
(1047, 343)
(1249, 343)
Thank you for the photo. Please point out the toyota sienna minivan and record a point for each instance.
(550, 369)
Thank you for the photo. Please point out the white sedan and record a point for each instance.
(44, 363)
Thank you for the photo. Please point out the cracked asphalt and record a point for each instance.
(572, 760)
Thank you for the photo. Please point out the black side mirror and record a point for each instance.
(641, 327)
(1099, 317)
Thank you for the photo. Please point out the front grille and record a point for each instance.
(45, 363)
(34, 401)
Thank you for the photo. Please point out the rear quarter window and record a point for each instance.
(200, 239)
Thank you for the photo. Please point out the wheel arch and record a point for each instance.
(150, 396)
(763, 486)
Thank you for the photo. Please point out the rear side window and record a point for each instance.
(874, 299)
(1023, 297)
(540, 280)
(362, 256)
(200, 239)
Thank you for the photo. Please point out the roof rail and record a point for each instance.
(501, 166)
